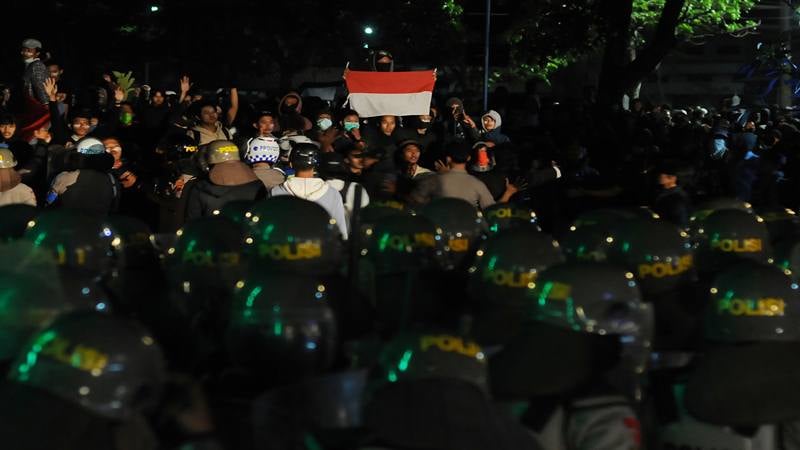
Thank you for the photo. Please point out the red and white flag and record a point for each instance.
(390, 93)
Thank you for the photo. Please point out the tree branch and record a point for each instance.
(663, 41)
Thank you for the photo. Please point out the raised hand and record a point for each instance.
(51, 89)
(185, 84)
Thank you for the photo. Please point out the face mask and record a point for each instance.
(349, 126)
(126, 118)
(29, 60)
(287, 109)
(424, 125)
(324, 124)
(383, 67)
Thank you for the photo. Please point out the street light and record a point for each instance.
(154, 8)
(368, 30)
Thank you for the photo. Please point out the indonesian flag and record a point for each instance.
(390, 93)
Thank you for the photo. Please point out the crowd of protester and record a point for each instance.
(185, 267)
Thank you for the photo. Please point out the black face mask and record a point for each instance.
(383, 67)
(288, 109)
(423, 125)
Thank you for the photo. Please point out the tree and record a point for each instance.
(634, 36)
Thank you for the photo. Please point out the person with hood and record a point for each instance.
(382, 61)
(304, 159)
(262, 153)
(491, 122)
(86, 182)
(458, 126)
(229, 179)
(290, 109)
(12, 190)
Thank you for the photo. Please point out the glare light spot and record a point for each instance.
(311, 345)
(318, 295)
(249, 240)
(531, 285)
(794, 286)
(714, 290)
(248, 214)
(96, 372)
(256, 219)
(100, 306)
(321, 288)
(479, 253)
(187, 287)
(332, 221)
(215, 212)
(106, 232)
(239, 284)
(147, 340)
(629, 275)
(480, 356)
(84, 390)
(609, 239)
(368, 232)
(573, 228)
(85, 291)
(179, 233)
(31, 224)
(116, 241)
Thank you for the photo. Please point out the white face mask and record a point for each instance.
(29, 60)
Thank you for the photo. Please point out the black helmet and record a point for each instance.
(729, 235)
(504, 271)
(397, 244)
(304, 156)
(787, 255)
(702, 211)
(86, 249)
(782, 223)
(418, 356)
(108, 365)
(15, 220)
(378, 209)
(462, 224)
(31, 295)
(78, 241)
(295, 235)
(282, 325)
(753, 302)
(238, 211)
(753, 339)
(658, 253)
(505, 216)
(580, 319)
(137, 248)
(209, 254)
(590, 234)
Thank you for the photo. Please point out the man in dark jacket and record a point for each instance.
(85, 181)
(672, 202)
(228, 180)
